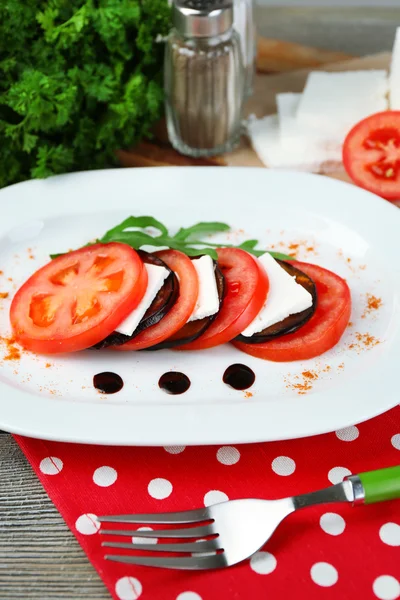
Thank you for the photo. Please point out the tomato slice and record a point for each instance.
(181, 310)
(246, 285)
(78, 299)
(323, 330)
(371, 154)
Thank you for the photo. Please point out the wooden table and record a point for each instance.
(39, 557)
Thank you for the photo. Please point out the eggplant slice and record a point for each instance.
(293, 322)
(194, 329)
(160, 306)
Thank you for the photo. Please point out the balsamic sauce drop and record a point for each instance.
(108, 383)
(239, 377)
(174, 382)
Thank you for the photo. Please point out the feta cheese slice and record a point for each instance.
(208, 300)
(394, 77)
(156, 277)
(285, 297)
(308, 141)
(265, 137)
(335, 102)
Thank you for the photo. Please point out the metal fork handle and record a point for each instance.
(366, 488)
(350, 490)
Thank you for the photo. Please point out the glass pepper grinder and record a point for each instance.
(203, 78)
(244, 23)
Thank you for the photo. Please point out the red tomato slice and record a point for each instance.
(323, 330)
(371, 154)
(78, 299)
(246, 285)
(179, 313)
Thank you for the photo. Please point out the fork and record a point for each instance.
(227, 533)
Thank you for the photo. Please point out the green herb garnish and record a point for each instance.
(147, 231)
(79, 79)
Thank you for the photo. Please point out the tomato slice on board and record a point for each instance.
(246, 285)
(181, 310)
(78, 299)
(323, 330)
(371, 154)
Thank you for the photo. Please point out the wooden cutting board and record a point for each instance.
(272, 55)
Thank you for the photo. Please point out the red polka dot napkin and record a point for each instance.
(332, 551)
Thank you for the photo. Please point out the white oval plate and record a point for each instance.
(333, 224)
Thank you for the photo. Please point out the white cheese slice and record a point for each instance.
(208, 300)
(266, 140)
(335, 102)
(307, 141)
(394, 78)
(156, 277)
(285, 297)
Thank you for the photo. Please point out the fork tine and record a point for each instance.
(191, 563)
(188, 516)
(190, 532)
(203, 546)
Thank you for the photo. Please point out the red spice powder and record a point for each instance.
(350, 324)
(13, 352)
(3, 295)
(365, 341)
(248, 395)
(9, 279)
(48, 365)
(373, 303)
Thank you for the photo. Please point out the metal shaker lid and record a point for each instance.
(202, 18)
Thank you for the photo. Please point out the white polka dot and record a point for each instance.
(348, 434)
(87, 524)
(337, 474)
(105, 476)
(324, 574)
(228, 455)
(332, 523)
(174, 449)
(283, 465)
(128, 588)
(396, 441)
(51, 465)
(143, 540)
(263, 563)
(390, 534)
(159, 488)
(386, 587)
(188, 596)
(214, 496)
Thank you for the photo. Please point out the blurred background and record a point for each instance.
(352, 26)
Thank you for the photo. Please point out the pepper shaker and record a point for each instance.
(203, 78)
(244, 23)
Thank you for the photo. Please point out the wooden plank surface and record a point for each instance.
(39, 556)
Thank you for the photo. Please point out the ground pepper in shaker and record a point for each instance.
(203, 78)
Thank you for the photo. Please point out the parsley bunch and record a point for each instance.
(78, 80)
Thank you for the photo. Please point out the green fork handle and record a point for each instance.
(380, 485)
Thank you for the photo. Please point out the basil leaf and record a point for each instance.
(203, 228)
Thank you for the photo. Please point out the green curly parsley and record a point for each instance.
(78, 80)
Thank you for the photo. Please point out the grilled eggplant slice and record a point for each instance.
(293, 322)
